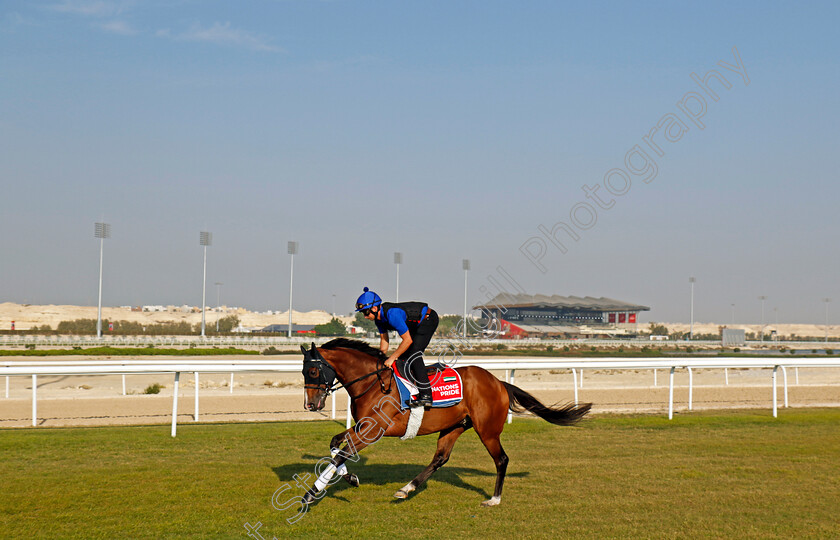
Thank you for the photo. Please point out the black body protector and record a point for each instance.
(413, 310)
(421, 330)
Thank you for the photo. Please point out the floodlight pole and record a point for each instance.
(465, 264)
(691, 327)
(292, 249)
(101, 231)
(204, 239)
(398, 259)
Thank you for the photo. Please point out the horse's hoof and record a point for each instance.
(492, 502)
(352, 479)
(401, 494)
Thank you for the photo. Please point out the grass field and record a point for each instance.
(721, 475)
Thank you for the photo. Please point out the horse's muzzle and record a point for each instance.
(312, 406)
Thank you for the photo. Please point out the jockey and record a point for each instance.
(415, 322)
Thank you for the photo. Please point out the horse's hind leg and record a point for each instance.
(494, 446)
(444, 448)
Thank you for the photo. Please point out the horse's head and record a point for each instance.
(318, 378)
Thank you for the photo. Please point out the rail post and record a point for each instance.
(784, 378)
(195, 378)
(34, 400)
(671, 394)
(175, 403)
(775, 409)
(347, 425)
(690, 390)
(512, 378)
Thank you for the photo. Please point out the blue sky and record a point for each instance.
(441, 130)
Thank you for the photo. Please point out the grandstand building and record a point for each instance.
(522, 315)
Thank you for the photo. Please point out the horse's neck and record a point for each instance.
(349, 365)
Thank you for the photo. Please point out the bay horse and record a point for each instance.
(375, 407)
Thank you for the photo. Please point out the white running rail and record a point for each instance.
(574, 365)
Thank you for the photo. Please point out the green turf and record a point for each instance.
(721, 475)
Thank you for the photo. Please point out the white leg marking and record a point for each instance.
(404, 491)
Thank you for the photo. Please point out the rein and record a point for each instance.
(346, 386)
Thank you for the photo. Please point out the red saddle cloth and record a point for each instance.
(447, 389)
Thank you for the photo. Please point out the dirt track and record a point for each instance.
(98, 400)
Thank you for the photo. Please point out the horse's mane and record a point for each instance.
(354, 344)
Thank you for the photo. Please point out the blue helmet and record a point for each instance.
(367, 300)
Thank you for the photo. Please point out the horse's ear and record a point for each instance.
(303, 350)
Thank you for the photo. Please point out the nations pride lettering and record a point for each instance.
(448, 390)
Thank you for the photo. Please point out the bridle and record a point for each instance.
(325, 377)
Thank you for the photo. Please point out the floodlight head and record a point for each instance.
(397, 257)
(205, 238)
(293, 248)
(691, 279)
(102, 230)
(465, 264)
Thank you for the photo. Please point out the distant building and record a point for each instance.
(284, 328)
(522, 315)
(733, 337)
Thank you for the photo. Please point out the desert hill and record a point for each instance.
(28, 316)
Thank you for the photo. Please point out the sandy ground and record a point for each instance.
(87, 400)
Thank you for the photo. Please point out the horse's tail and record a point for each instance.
(565, 415)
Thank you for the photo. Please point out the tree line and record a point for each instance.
(132, 328)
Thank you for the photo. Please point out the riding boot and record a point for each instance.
(421, 380)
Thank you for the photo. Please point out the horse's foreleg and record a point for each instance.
(444, 448)
(335, 443)
(353, 445)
